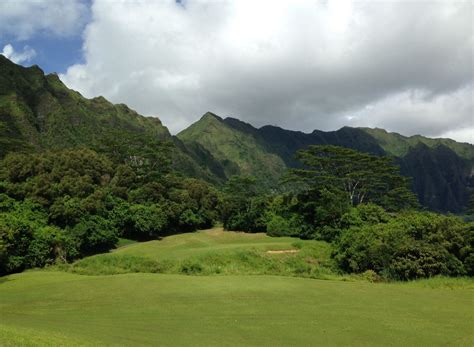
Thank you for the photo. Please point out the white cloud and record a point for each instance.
(22, 19)
(18, 57)
(300, 65)
(445, 115)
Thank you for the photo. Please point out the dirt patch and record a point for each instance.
(284, 251)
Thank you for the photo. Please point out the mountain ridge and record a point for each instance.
(438, 186)
(39, 112)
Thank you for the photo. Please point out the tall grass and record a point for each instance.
(311, 261)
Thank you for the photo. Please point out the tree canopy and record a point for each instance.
(361, 176)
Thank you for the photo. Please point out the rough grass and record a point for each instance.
(214, 252)
(218, 252)
(41, 308)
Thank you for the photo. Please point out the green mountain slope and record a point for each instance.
(238, 150)
(441, 169)
(399, 145)
(441, 178)
(38, 111)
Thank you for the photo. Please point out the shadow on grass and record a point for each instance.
(4, 279)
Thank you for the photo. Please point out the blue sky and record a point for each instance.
(52, 54)
(51, 32)
(405, 66)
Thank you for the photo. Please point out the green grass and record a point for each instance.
(125, 242)
(137, 296)
(215, 252)
(150, 309)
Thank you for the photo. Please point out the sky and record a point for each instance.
(405, 66)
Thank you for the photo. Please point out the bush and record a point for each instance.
(413, 245)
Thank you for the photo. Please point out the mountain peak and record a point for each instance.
(210, 116)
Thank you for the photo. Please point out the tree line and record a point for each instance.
(58, 206)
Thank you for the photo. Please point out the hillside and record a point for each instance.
(38, 111)
(399, 145)
(441, 169)
(237, 149)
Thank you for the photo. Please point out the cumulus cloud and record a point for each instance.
(405, 66)
(18, 57)
(20, 20)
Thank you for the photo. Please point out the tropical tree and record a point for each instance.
(361, 176)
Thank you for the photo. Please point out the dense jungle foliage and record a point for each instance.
(58, 206)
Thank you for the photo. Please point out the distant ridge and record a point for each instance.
(441, 169)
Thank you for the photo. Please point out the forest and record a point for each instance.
(57, 206)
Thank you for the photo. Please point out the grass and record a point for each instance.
(215, 252)
(138, 296)
(125, 242)
(150, 309)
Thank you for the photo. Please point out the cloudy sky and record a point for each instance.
(404, 66)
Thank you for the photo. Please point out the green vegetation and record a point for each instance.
(414, 245)
(57, 207)
(239, 152)
(361, 177)
(216, 252)
(80, 177)
(362, 205)
(60, 206)
(399, 145)
(39, 112)
(150, 309)
(440, 169)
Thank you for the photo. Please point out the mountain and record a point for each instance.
(38, 111)
(399, 145)
(236, 147)
(441, 169)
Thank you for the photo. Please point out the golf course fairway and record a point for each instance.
(53, 308)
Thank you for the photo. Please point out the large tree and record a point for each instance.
(361, 176)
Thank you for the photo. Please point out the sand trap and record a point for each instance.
(284, 251)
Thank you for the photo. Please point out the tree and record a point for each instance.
(242, 207)
(362, 177)
(148, 156)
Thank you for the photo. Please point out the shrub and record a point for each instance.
(371, 276)
(413, 245)
(190, 267)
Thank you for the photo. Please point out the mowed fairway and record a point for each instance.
(65, 309)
